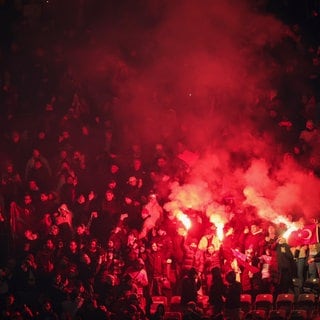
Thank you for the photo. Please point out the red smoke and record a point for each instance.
(201, 72)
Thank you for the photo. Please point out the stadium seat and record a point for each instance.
(160, 299)
(277, 314)
(258, 314)
(154, 307)
(298, 315)
(285, 301)
(156, 300)
(307, 302)
(264, 301)
(203, 301)
(245, 303)
(175, 304)
(175, 299)
(172, 315)
(297, 285)
(312, 285)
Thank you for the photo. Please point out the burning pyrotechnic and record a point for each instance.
(184, 219)
(217, 216)
(291, 226)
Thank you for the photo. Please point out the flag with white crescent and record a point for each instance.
(304, 236)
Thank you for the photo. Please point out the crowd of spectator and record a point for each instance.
(84, 233)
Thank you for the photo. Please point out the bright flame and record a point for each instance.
(265, 210)
(291, 226)
(287, 233)
(220, 233)
(184, 219)
(216, 215)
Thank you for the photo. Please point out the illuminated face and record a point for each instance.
(36, 153)
(44, 197)
(110, 244)
(93, 245)
(112, 184)
(27, 199)
(47, 306)
(114, 168)
(33, 185)
(63, 154)
(182, 232)
(81, 199)
(49, 244)
(211, 249)
(161, 232)
(76, 155)
(70, 180)
(28, 234)
(54, 230)
(253, 228)
(193, 245)
(136, 164)
(85, 130)
(10, 299)
(131, 238)
(229, 231)
(65, 135)
(80, 229)
(249, 253)
(310, 125)
(65, 165)
(73, 246)
(154, 247)
(63, 208)
(161, 162)
(132, 181)
(159, 147)
(86, 258)
(144, 213)
(47, 220)
(152, 198)
(271, 229)
(109, 196)
(58, 278)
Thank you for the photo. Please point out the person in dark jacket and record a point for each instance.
(286, 266)
(190, 285)
(217, 291)
(232, 297)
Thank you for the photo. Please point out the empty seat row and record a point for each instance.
(295, 314)
(283, 304)
(174, 303)
(264, 305)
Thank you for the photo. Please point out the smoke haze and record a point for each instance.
(200, 72)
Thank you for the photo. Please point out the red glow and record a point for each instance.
(184, 219)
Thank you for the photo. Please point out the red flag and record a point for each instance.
(241, 258)
(239, 255)
(306, 235)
